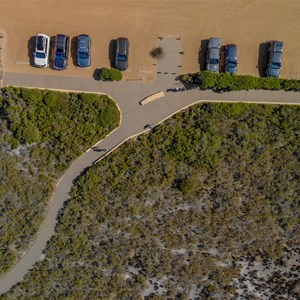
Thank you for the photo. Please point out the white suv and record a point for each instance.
(42, 47)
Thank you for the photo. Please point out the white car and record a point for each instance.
(41, 54)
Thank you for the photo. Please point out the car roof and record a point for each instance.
(231, 52)
(277, 56)
(214, 53)
(40, 43)
(122, 45)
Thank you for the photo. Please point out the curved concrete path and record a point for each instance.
(134, 118)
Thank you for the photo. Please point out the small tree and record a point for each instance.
(112, 74)
(157, 52)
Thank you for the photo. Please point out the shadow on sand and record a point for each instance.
(111, 52)
(263, 56)
(202, 54)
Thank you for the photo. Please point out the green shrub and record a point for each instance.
(228, 82)
(111, 74)
(206, 79)
(290, 85)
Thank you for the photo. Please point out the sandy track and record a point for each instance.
(248, 23)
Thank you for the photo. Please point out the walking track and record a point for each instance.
(134, 117)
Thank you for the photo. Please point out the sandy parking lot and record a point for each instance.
(247, 23)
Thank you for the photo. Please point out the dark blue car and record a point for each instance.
(231, 60)
(121, 56)
(84, 50)
(61, 53)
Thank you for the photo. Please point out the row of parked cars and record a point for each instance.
(231, 60)
(83, 51)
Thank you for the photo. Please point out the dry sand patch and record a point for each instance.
(247, 23)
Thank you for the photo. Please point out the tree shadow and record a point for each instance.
(111, 52)
(263, 56)
(202, 54)
(73, 49)
(31, 49)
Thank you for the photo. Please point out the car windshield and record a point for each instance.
(213, 61)
(121, 57)
(40, 55)
(276, 65)
(231, 64)
(83, 55)
(59, 55)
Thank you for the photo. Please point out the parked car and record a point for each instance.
(42, 47)
(231, 60)
(83, 50)
(275, 58)
(213, 54)
(121, 55)
(61, 53)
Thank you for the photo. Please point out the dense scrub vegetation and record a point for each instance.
(41, 132)
(109, 74)
(168, 215)
(229, 82)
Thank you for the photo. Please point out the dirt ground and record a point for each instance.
(247, 23)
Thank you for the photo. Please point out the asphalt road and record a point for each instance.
(127, 94)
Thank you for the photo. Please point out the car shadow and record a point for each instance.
(51, 52)
(263, 56)
(31, 49)
(73, 49)
(111, 52)
(222, 59)
(202, 54)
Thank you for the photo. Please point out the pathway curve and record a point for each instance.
(134, 118)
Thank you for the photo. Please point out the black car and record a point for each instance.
(61, 53)
(121, 56)
(231, 60)
(275, 58)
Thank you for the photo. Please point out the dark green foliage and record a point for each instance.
(157, 52)
(47, 130)
(110, 74)
(229, 82)
(182, 204)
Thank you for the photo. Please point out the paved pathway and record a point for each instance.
(134, 118)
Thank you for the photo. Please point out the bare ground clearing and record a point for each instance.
(247, 23)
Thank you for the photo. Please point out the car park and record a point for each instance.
(42, 47)
(231, 60)
(61, 52)
(84, 50)
(275, 58)
(121, 54)
(213, 54)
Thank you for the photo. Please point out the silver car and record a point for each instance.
(213, 54)
(84, 50)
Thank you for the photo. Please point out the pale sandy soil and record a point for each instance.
(247, 23)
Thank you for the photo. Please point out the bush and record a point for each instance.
(228, 82)
(157, 52)
(111, 74)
